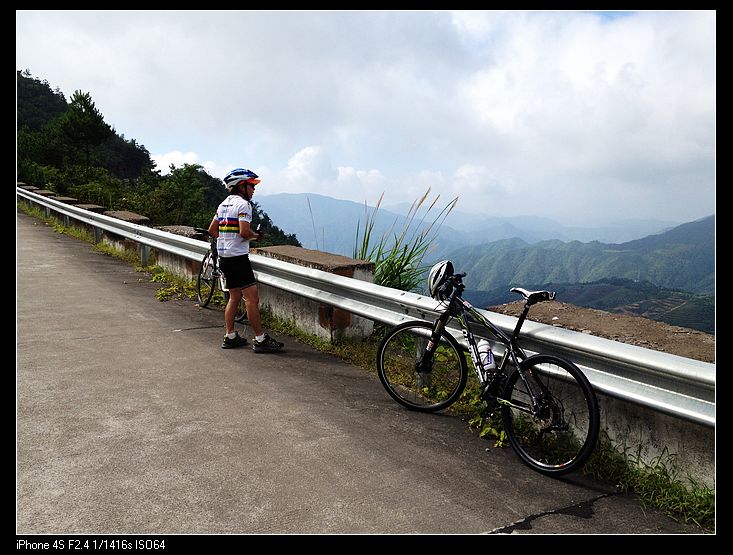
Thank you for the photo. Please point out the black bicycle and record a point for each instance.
(549, 410)
(210, 277)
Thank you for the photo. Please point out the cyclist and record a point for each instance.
(231, 227)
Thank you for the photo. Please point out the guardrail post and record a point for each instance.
(144, 255)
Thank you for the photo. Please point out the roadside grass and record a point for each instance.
(657, 484)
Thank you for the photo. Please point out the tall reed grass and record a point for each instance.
(398, 253)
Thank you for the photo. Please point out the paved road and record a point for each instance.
(132, 419)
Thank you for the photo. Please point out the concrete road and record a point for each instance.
(132, 420)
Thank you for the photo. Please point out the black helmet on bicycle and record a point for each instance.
(439, 285)
(240, 175)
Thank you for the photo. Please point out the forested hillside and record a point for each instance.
(682, 258)
(668, 277)
(70, 149)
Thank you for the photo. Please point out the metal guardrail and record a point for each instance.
(668, 383)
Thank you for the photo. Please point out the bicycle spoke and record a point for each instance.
(207, 279)
(241, 315)
(559, 433)
(428, 386)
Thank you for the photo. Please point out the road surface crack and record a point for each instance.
(584, 509)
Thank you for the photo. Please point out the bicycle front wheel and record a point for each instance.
(206, 283)
(399, 358)
(559, 436)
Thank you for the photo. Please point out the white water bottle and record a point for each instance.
(486, 356)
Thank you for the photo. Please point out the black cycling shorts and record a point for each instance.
(237, 271)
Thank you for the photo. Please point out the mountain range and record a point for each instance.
(329, 224)
(652, 268)
(681, 258)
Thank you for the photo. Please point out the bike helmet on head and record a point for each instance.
(438, 284)
(236, 176)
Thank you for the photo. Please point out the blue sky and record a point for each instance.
(584, 117)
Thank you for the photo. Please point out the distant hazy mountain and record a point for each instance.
(330, 224)
(535, 228)
(641, 267)
(324, 223)
(513, 250)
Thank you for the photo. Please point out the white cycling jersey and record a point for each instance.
(230, 212)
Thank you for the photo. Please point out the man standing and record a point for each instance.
(231, 227)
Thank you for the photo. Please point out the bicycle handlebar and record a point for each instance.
(457, 279)
(530, 297)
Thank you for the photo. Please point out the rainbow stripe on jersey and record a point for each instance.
(229, 225)
(230, 212)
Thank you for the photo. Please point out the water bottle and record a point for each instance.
(486, 356)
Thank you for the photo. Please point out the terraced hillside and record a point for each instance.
(625, 328)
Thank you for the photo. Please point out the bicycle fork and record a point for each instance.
(425, 364)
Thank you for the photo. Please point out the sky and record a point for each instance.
(582, 117)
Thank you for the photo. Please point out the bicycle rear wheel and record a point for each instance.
(206, 283)
(562, 434)
(399, 356)
(241, 316)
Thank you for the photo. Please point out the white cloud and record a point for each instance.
(567, 114)
(176, 158)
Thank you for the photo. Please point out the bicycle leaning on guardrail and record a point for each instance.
(548, 407)
(210, 277)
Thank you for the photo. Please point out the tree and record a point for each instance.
(123, 158)
(37, 104)
(83, 126)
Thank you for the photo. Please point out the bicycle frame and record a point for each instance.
(462, 310)
(217, 272)
(513, 351)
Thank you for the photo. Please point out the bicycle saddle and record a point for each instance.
(533, 297)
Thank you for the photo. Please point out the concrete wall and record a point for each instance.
(328, 323)
(652, 437)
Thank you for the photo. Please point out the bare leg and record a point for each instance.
(252, 300)
(230, 311)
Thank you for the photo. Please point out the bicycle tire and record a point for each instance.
(563, 435)
(241, 316)
(206, 282)
(397, 357)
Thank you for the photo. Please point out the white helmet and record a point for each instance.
(438, 285)
(236, 176)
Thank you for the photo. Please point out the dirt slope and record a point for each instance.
(620, 327)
